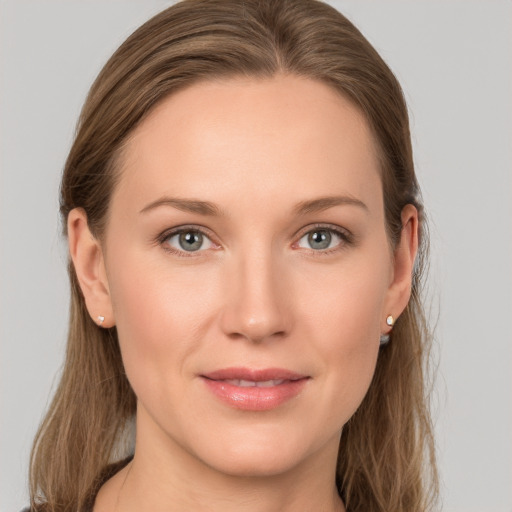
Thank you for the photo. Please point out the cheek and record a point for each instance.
(160, 317)
(343, 316)
(346, 304)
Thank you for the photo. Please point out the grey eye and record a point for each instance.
(320, 239)
(189, 240)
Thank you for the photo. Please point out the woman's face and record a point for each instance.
(249, 272)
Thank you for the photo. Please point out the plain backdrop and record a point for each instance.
(453, 59)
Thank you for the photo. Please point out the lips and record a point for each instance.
(254, 390)
(258, 384)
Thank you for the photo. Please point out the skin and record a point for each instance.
(257, 294)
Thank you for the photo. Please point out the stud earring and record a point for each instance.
(101, 319)
(384, 338)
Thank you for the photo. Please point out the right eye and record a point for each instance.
(187, 241)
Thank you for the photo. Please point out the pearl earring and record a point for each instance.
(101, 319)
(384, 338)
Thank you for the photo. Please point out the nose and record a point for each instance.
(257, 305)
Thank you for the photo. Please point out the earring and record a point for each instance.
(384, 338)
(101, 319)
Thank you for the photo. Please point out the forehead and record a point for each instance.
(285, 135)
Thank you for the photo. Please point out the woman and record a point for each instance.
(246, 248)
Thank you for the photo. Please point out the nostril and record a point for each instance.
(255, 338)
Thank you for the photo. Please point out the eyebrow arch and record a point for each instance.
(186, 205)
(208, 208)
(323, 203)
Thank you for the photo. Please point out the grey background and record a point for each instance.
(453, 59)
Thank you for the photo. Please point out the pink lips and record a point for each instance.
(254, 390)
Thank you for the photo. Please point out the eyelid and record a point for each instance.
(347, 238)
(168, 233)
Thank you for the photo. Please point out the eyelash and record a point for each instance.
(166, 235)
(346, 239)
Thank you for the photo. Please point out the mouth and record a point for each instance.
(254, 390)
(257, 384)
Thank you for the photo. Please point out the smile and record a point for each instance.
(254, 390)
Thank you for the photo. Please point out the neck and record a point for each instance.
(165, 477)
(175, 490)
(168, 478)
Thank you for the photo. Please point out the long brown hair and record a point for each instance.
(386, 456)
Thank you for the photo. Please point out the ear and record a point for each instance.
(87, 256)
(399, 291)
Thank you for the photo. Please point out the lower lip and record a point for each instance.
(255, 398)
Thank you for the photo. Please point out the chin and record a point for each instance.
(264, 452)
(256, 463)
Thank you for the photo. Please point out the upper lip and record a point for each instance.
(255, 375)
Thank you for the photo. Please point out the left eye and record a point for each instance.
(320, 239)
(189, 240)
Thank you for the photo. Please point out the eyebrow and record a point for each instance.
(324, 203)
(186, 205)
(211, 209)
